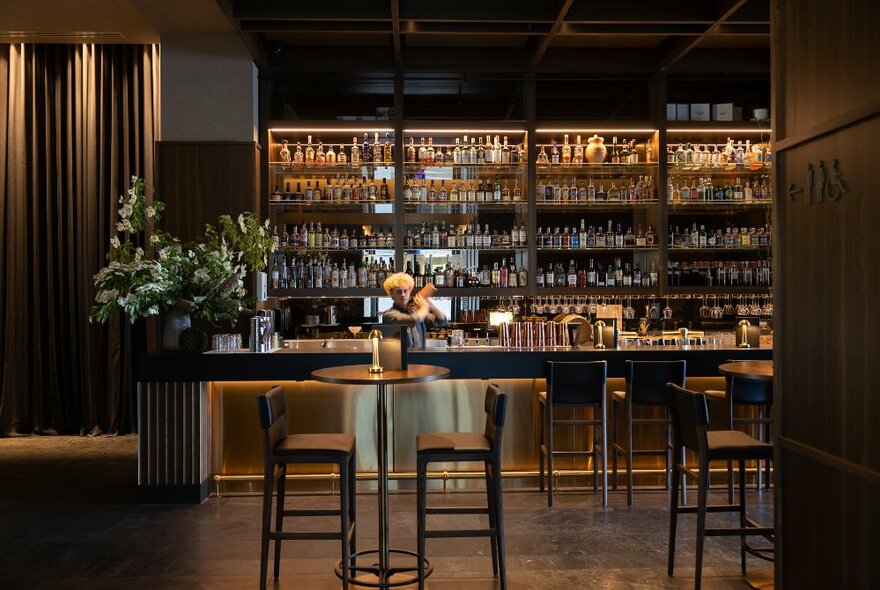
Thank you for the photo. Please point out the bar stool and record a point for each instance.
(645, 386)
(281, 449)
(466, 446)
(574, 384)
(690, 417)
(757, 394)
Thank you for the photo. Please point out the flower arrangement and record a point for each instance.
(204, 277)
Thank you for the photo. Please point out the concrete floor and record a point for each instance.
(69, 519)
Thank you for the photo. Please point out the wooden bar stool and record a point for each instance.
(645, 386)
(577, 385)
(690, 418)
(281, 449)
(466, 446)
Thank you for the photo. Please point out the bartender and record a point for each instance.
(414, 312)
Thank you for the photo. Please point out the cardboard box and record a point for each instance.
(722, 111)
(700, 111)
(682, 112)
(670, 111)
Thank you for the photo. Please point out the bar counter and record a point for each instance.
(198, 424)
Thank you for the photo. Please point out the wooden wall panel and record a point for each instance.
(199, 181)
(831, 60)
(826, 94)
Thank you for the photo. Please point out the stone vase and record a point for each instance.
(596, 151)
(176, 321)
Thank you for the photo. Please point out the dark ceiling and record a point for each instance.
(469, 58)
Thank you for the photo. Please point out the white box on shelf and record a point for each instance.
(682, 112)
(700, 111)
(722, 111)
(670, 111)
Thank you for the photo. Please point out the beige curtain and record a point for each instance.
(76, 121)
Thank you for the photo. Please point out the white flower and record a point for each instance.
(114, 242)
(154, 239)
(241, 223)
(150, 212)
(120, 227)
(121, 199)
(266, 224)
(125, 211)
(163, 253)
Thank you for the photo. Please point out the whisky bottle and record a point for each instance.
(496, 153)
(554, 154)
(489, 151)
(456, 153)
(496, 190)
(298, 154)
(566, 150)
(310, 152)
(429, 151)
(542, 158)
(505, 152)
(615, 152)
(367, 150)
(331, 155)
(423, 151)
(389, 158)
(624, 153)
(578, 156)
(355, 151)
(411, 152)
(377, 149)
(320, 157)
(341, 158)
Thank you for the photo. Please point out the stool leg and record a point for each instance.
(279, 516)
(344, 515)
(541, 443)
(614, 443)
(490, 500)
(268, 481)
(549, 448)
(673, 522)
(604, 457)
(767, 431)
(702, 497)
(595, 432)
(730, 482)
(499, 522)
(352, 504)
(629, 453)
(421, 502)
(742, 513)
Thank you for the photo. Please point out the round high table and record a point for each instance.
(761, 578)
(386, 576)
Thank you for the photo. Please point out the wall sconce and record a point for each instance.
(375, 337)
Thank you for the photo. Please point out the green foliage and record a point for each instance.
(205, 276)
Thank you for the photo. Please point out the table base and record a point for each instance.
(761, 578)
(373, 576)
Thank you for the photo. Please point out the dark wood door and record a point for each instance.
(827, 380)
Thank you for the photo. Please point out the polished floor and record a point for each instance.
(69, 519)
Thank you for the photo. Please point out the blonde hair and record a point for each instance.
(398, 279)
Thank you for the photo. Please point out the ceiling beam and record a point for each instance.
(677, 48)
(395, 39)
(543, 43)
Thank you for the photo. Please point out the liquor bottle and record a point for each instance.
(489, 151)
(276, 194)
(298, 154)
(738, 192)
(542, 158)
(591, 274)
(377, 150)
(654, 277)
(389, 158)
(331, 155)
(554, 154)
(310, 152)
(411, 151)
(320, 157)
(629, 238)
(613, 192)
(624, 153)
(505, 152)
(615, 152)
(591, 192)
(355, 152)
(423, 150)
(566, 151)
(578, 157)
(650, 237)
(367, 150)
(571, 276)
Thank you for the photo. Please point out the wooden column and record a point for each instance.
(827, 100)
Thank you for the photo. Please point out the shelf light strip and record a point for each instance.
(718, 130)
(464, 130)
(330, 130)
(570, 131)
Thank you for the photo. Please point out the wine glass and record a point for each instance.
(354, 330)
(704, 309)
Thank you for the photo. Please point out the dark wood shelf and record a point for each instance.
(594, 250)
(481, 292)
(717, 206)
(498, 249)
(349, 169)
(462, 207)
(603, 168)
(706, 250)
(598, 291)
(328, 292)
(299, 250)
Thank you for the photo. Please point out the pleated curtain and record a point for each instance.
(76, 122)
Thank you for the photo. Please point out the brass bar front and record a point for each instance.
(448, 405)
